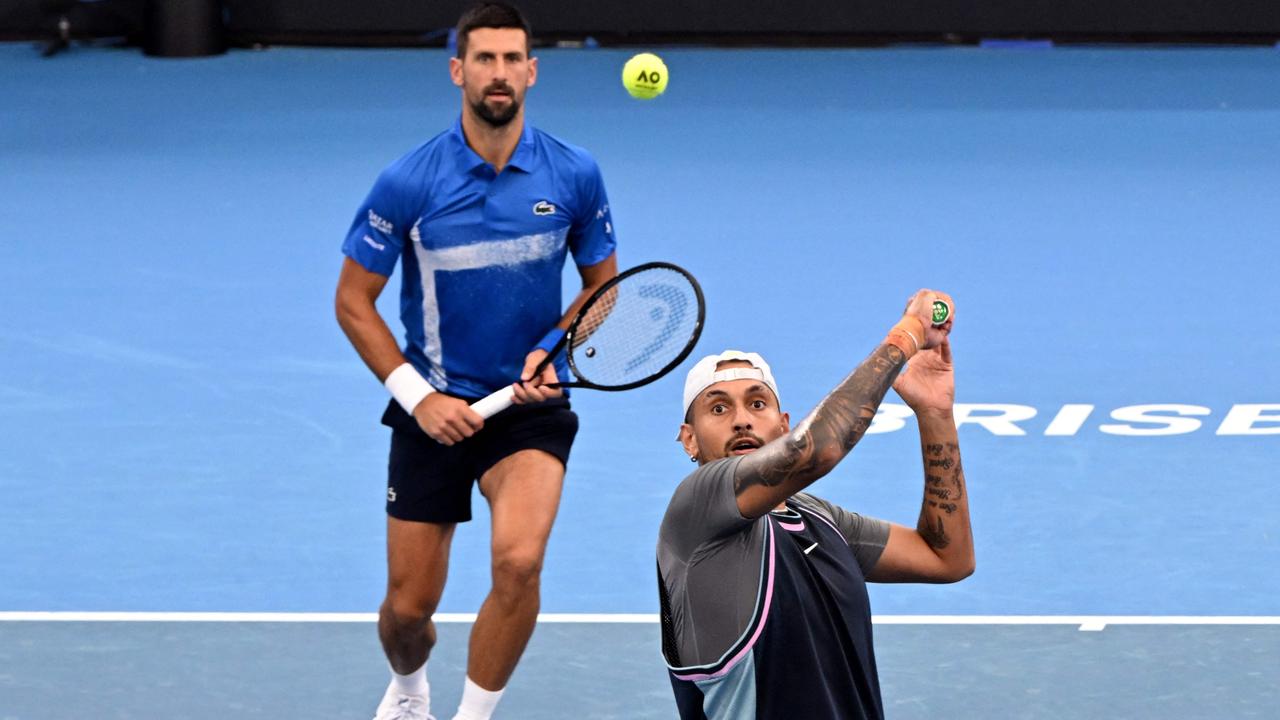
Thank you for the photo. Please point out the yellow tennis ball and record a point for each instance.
(645, 76)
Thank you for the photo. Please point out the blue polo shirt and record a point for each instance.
(482, 252)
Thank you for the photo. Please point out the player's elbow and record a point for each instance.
(348, 307)
(960, 570)
(342, 311)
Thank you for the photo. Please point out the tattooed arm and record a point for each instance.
(940, 549)
(787, 465)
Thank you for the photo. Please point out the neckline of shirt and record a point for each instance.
(522, 159)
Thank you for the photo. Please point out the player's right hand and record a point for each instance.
(534, 389)
(920, 306)
(447, 420)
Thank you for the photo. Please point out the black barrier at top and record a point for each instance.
(762, 21)
(185, 28)
(1040, 18)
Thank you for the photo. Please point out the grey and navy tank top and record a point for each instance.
(768, 617)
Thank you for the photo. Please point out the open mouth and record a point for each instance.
(743, 445)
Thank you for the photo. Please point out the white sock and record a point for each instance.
(477, 703)
(415, 683)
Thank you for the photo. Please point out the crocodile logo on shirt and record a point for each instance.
(544, 208)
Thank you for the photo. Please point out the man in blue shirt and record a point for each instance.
(481, 218)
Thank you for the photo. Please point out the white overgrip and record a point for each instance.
(495, 402)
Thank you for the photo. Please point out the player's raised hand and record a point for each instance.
(921, 306)
(533, 388)
(447, 420)
(928, 383)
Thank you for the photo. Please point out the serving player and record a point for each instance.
(762, 586)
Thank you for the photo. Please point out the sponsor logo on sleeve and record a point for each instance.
(377, 222)
(374, 243)
(542, 207)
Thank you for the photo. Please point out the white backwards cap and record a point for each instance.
(704, 374)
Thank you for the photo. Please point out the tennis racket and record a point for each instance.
(633, 330)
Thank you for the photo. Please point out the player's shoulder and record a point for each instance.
(815, 504)
(713, 471)
(559, 151)
(698, 487)
(418, 163)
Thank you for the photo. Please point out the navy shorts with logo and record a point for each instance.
(430, 482)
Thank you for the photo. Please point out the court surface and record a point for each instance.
(184, 429)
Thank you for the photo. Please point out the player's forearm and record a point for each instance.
(790, 463)
(593, 278)
(944, 511)
(369, 335)
(578, 301)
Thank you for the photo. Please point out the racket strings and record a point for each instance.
(636, 328)
(595, 316)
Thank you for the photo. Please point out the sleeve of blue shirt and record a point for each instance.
(377, 234)
(591, 235)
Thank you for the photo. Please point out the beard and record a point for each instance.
(499, 117)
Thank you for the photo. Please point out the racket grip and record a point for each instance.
(495, 402)
(941, 313)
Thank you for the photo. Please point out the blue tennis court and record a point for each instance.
(184, 429)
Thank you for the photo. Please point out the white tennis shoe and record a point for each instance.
(398, 706)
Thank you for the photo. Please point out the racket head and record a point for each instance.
(635, 328)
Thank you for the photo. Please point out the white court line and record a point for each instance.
(1087, 623)
(189, 617)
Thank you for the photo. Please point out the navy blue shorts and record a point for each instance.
(430, 482)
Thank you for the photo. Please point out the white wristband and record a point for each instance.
(408, 387)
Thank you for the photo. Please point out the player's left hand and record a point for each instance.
(920, 305)
(534, 389)
(928, 384)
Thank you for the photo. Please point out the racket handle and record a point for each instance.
(495, 402)
(941, 312)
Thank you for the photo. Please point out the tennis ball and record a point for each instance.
(645, 76)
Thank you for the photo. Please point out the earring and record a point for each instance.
(693, 458)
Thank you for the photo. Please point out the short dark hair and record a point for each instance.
(491, 15)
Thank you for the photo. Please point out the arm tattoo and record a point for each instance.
(823, 438)
(943, 489)
(933, 532)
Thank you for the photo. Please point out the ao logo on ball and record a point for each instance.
(645, 76)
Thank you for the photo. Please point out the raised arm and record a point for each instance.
(787, 465)
(940, 548)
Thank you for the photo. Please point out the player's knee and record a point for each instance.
(517, 569)
(408, 609)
